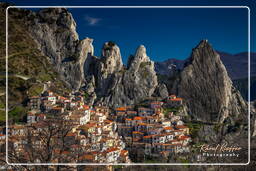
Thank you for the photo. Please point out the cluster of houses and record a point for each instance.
(92, 135)
(89, 135)
(147, 131)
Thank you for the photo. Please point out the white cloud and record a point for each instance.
(92, 21)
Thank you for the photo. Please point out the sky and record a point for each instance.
(166, 33)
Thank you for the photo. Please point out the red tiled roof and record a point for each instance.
(86, 107)
(137, 118)
(176, 99)
(112, 149)
(121, 108)
(87, 157)
(123, 152)
(168, 128)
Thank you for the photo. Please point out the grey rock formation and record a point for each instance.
(54, 31)
(119, 86)
(107, 68)
(161, 91)
(206, 88)
(104, 79)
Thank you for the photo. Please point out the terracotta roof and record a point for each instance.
(181, 126)
(65, 152)
(121, 108)
(168, 128)
(86, 107)
(90, 124)
(176, 99)
(137, 118)
(108, 121)
(112, 149)
(148, 136)
(183, 137)
(123, 152)
(62, 98)
(87, 157)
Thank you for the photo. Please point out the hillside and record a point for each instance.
(28, 68)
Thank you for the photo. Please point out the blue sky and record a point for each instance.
(166, 33)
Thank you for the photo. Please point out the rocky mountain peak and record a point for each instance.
(85, 47)
(111, 57)
(204, 53)
(140, 57)
(60, 17)
(207, 88)
(141, 54)
(203, 43)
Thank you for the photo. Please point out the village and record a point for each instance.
(63, 129)
(152, 130)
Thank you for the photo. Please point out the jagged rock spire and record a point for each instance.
(111, 57)
(141, 54)
(207, 88)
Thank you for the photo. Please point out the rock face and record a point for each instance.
(104, 79)
(207, 89)
(118, 86)
(54, 31)
(107, 68)
(161, 91)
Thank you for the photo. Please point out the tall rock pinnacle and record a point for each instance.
(111, 57)
(207, 88)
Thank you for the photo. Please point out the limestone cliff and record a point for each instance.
(207, 89)
(105, 79)
(54, 31)
(118, 86)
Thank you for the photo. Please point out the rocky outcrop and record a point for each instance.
(161, 91)
(54, 31)
(104, 79)
(118, 86)
(206, 88)
(107, 68)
